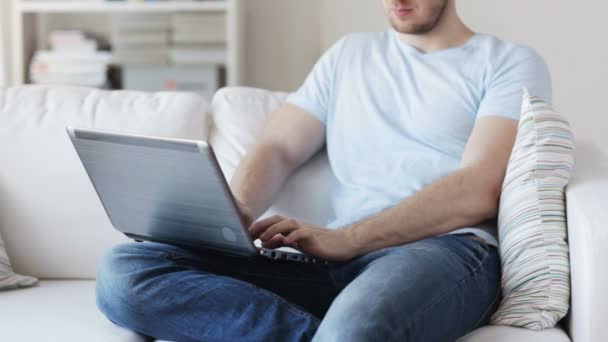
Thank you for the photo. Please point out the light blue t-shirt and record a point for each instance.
(398, 119)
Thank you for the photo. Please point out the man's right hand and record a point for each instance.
(290, 138)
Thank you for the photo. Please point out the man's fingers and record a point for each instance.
(276, 242)
(283, 227)
(296, 236)
(261, 226)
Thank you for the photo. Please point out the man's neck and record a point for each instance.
(449, 32)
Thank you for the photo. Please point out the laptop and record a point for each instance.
(168, 191)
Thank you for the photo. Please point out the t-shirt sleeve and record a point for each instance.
(522, 68)
(315, 95)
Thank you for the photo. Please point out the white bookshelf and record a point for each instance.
(29, 18)
(120, 7)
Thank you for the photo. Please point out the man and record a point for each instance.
(418, 122)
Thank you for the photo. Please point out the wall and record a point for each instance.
(339, 17)
(3, 42)
(572, 39)
(282, 42)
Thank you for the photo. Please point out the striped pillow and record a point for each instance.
(532, 221)
(8, 278)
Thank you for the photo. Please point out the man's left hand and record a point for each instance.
(278, 231)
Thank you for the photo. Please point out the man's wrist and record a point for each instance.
(355, 239)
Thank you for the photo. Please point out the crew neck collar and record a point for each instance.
(411, 49)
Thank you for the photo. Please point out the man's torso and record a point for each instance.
(398, 119)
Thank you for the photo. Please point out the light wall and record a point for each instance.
(282, 42)
(3, 42)
(340, 17)
(571, 37)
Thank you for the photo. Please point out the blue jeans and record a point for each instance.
(436, 289)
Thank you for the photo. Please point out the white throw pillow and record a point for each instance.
(51, 219)
(239, 116)
(8, 279)
(532, 221)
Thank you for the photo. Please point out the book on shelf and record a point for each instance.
(73, 59)
(194, 37)
(195, 54)
(141, 22)
(198, 28)
(71, 40)
(59, 67)
(87, 80)
(50, 56)
(147, 55)
(140, 38)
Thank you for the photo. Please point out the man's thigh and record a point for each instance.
(307, 285)
(436, 289)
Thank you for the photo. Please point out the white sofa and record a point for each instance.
(56, 229)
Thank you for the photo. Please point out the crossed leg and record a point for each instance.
(173, 294)
(436, 289)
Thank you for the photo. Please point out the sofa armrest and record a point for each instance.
(587, 210)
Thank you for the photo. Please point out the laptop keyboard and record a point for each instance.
(289, 256)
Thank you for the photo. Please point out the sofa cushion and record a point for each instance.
(532, 221)
(51, 219)
(58, 311)
(515, 334)
(239, 115)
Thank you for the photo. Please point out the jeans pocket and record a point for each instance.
(471, 251)
(475, 240)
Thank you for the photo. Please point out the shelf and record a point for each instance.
(122, 7)
(30, 25)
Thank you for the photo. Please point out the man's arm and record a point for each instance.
(466, 197)
(290, 138)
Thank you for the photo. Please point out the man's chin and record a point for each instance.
(411, 28)
(405, 29)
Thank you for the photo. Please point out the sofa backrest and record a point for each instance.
(50, 216)
(239, 115)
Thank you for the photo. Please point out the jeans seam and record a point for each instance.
(496, 296)
(446, 293)
(333, 280)
(485, 246)
(291, 306)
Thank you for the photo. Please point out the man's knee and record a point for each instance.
(352, 318)
(120, 271)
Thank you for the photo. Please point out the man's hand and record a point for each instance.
(278, 231)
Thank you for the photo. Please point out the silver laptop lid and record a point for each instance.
(165, 190)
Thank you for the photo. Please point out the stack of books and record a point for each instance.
(141, 39)
(198, 38)
(73, 59)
